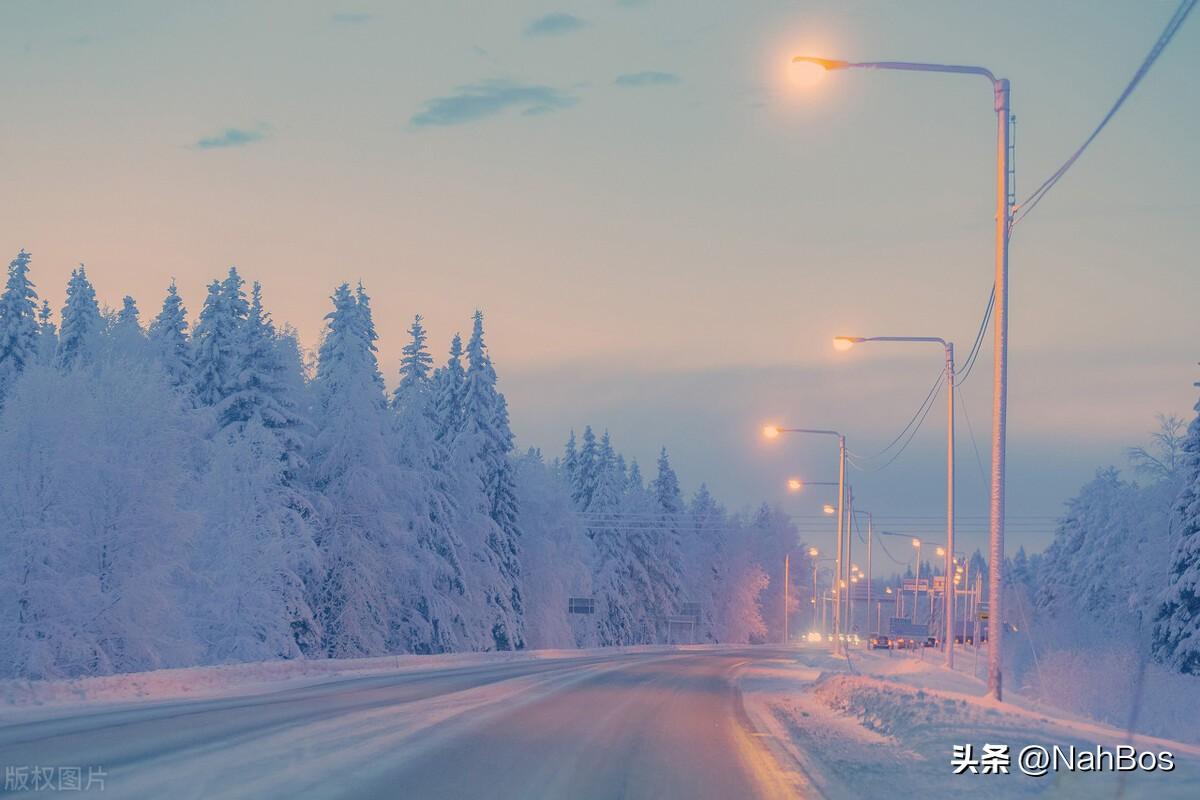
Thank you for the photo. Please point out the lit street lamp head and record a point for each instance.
(770, 431)
(813, 552)
(846, 342)
(795, 484)
(917, 543)
(826, 63)
(828, 509)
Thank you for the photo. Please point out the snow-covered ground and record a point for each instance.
(881, 724)
(23, 700)
(888, 728)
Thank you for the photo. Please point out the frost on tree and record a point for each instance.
(19, 331)
(439, 616)
(480, 450)
(80, 325)
(1177, 624)
(197, 497)
(168, 335)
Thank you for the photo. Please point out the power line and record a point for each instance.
(921, 421)
(1164, 39)
(974, 354)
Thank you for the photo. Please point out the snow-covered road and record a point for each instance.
(653, 725)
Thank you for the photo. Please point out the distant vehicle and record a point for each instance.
(931, 641)
(814, 636)
(881, 643)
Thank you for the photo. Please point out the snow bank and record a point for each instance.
(254, 678)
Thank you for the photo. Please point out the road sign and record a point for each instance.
(581, 605)
(902, 626)
(911, 585)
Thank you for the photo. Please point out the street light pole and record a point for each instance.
(772, 432)
(786, 557)
(846, 342)
(1001, 92)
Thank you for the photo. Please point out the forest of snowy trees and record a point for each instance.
(1110, 612)
(179, 493)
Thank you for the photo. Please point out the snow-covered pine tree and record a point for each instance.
(1176, 635)
(621, 583)
(352, 469)
(217, 340)
(81, 322)
(448, 385)
(586, 471)
(415, 361)
(47, 335)
(18, 323)
(435, 620)
(128, 338)
(260, 389)
(570, 462)
(665, 566)
(482, 447)
(635, 483)
(168, 336)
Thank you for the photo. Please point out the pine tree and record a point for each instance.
(351, 470)
(1176, 636)
(665, 486)
(415, 363)
(482, 449)
(81, 321)
(570, 462)
(635, 483)
(18, 323)
(47, 335)
(435, 619)
(127, 330)
(217, 340)
(168, 335)
(586, 471)
(448, 386)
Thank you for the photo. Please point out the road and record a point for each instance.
(644, 725)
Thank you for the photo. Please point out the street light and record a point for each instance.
(845, 343)
(795, 484)
(1003, 227)
(773, 432)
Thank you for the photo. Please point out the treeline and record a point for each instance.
(179, 494)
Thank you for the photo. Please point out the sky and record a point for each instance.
(663, 222)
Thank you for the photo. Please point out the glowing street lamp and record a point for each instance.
(1003, 228)
(795, 484)
(844, 343)
(773, 432)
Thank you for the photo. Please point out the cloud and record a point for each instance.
(476, 101)
(351, 17)
(230, 137)
(554, 25)
(646, 78)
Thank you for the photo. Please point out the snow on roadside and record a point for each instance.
(34, 698)
(878, 735)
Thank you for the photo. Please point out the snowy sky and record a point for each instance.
(663, 226)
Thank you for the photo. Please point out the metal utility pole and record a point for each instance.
(786, 580)
(845, 343)
(772, 432)
(999, 395)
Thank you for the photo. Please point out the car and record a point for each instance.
(930, 641)
(880, 642)
(814, 636)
